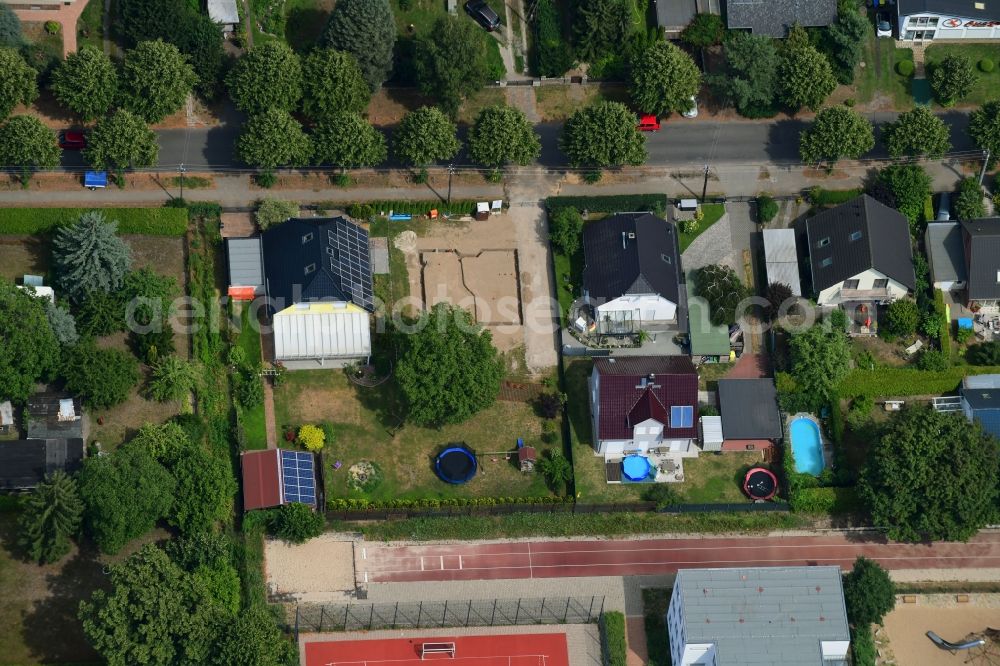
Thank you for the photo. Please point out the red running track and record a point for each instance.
(500, 650)
(556, 559)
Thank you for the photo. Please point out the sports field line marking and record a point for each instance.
(364, 553)
(531, 572)
(421, 562)
(460, 565)
(442, 562)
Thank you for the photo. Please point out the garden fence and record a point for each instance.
(315, 618)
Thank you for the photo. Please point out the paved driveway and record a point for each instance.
(713, 246)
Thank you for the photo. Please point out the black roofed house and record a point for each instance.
(981, 243)
(672, 16)
(927, 20)
(632, 272)
(860, 251)
(774, 18)
(750, 417)
(946, 253)
(318, 282)
(55, 436)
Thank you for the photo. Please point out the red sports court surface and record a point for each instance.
(555, 559)
(506, 650)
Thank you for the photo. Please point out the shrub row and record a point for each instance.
(613, 638)
(907, 381)
(657, 203)
(340, 504)
(826, 500)
(863, 646)
(148, 221)
(821, 197)
(551, 55)
(944, 337)
(363, 211)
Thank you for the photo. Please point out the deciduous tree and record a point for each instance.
(805, 78)
(723, 289)
(332, 85)
(90, 257)
(272, 139)
(348, 141)
(267, 78)
(424, 136)
(27, 143)
(868, 592)
(704, 30)
(18, 81)
(156, 80)
(502, 135)
(663, 79)
(166, 442)
(952, 79)
(296, 523)
(910, 186)
(86, 83)
(125, 494)
(121, 141)
(101, 377)
(969, 204)
(565, 229)
(750, 81)
(274, 211)
(448, 369)
(984, 128)
(50, 518)
(365, 29)
(252, 639)
(602, 135)
(154, 613)
(931, 475)
(452, 61)
(601, 27)
(902, 317)
(821, 358)
(836, 132)
(29, 352)
(918, 133)
(204, 492)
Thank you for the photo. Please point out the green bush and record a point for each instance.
(863, 644)
(53, 27)
(767, 209)
(901, 382)
(969, 204)
(986, 65)
(147, 221)
(904, 67)
(656, 203)
(825, 500)
(613, 638)
(820, 197)
(929, 209)
(551, 55)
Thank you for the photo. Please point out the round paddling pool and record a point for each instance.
(635, 468)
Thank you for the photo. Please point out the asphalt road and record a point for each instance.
(681, 142)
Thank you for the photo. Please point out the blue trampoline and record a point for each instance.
(456, 464)
(635, 468)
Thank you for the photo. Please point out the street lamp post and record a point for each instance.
(182, 170)
(451, 171)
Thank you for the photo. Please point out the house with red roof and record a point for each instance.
(639, 403)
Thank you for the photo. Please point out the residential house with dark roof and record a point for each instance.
(318, 281)
(860, 251)
(927, 20)
(632, 273)
(55, 439)
(750, 417)
(980, 400)
(643, 402)
(774, 18)
(981, 245)
(946, 255)
(758, 616)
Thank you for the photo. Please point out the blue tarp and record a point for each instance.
(965, 322)
(95, 179)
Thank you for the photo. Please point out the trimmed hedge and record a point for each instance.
(364, 210)
(820, 197)
(826, 500)
(339, 504)
(907, 381)
(657, 203)
(987, 65)
(613, 638)
(146, 221)
(904, 67)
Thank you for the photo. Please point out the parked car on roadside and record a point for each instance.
(692, 111)
(648, 122)
(483, 14)
(72, 140)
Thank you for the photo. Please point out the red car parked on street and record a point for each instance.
(72, 140)
(648, 123)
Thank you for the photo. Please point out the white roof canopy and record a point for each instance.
(321, 335)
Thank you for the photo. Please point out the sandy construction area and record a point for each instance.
(319, 569)
(906, 626)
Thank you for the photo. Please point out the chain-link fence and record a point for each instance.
(436, 614)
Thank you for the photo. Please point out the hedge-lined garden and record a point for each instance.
(613, 638)
(148, 221)
(902, 382)
(656, 203)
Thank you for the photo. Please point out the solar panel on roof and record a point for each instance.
(298, 477)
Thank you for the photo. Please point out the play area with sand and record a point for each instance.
(906, 628)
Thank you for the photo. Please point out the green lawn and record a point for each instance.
(363, 421)
(987, 84)
(709, 478)
(89, 27)
(713, 213)
(879, 77)
(569, 276)
(252, 420)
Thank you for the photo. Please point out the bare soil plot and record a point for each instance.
(23, 254)
(319, 569)
(907, 625)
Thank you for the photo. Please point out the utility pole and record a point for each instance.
(986, 162)
(182, 170)
(704, 185)
(451, 171)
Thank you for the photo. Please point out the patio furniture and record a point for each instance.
(337, 465)
(671, 466)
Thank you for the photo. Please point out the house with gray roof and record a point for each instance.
(774, 18)
(55, 436)
(781, 260)
(758, 616)
(860, 251)
(749, 410)
(943, 241)
(981, 245)
(980, 401)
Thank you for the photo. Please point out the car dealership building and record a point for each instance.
(927, 20)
